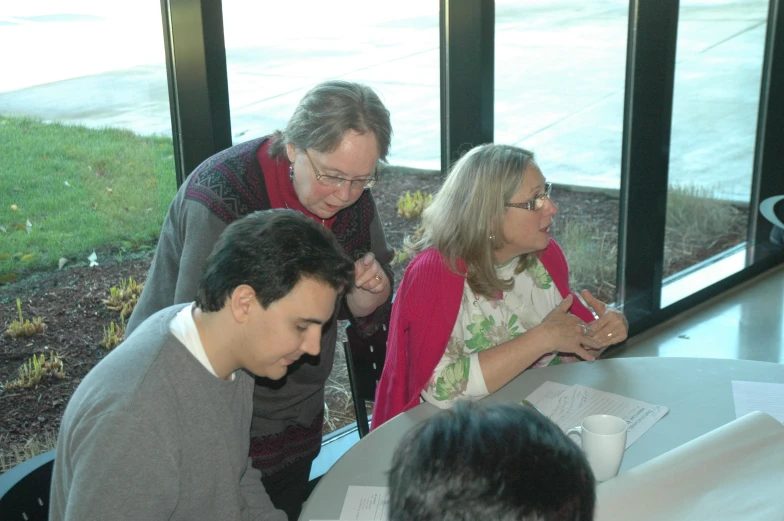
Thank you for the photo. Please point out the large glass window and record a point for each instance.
(276, 52)
(86, 177)
(559, 91)
(85, 118)
(715, 106)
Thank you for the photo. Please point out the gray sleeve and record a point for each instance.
(121, 470)
(259, 506)
(200, 230)
(188, 235)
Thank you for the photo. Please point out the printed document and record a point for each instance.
(568, 405)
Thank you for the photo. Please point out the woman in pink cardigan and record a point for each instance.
(487, 295)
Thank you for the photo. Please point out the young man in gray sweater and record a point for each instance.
(159, 429)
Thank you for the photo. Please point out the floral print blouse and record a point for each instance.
(483, 323)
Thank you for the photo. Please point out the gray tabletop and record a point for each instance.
(698, 392)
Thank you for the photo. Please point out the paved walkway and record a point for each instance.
(560, 70)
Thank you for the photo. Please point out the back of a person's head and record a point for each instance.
(271, 251)
(496, 462)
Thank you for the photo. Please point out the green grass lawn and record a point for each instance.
(81, 190)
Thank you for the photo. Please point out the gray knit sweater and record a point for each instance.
(151, 434)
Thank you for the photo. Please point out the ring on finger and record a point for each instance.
(609, 335)
(378, 278)
(585, 329)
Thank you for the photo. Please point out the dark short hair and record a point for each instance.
(328, 111)
(490, 462)
(271, 251)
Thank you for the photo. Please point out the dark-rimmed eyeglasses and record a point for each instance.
(361, 183)
(537, 203)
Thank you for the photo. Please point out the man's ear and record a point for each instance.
(242, 299)
(291, 152)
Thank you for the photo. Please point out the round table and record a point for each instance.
(698, 392)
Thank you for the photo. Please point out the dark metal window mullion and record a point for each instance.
(650, 76)
(198, 81)
(768, 176)
(467, 35)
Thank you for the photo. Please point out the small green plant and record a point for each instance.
(114, 334)
(16, 453)
(404, 255)
(125, 297)
(411, 206)
(698, 218)
(592, 257)
(25, 328)
(36, 369)
(401, 257)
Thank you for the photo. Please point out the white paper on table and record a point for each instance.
(365, 504)
(568, 405)
(758, 396)
(731, 473)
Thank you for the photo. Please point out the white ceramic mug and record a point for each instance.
(603, 438)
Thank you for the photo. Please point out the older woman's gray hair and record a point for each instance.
(465, 219)
(328, 111)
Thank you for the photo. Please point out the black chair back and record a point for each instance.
(24, 489)
(364, 362)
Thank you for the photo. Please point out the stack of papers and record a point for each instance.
(567, 406)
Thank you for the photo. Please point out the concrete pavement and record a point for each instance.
(560, 70)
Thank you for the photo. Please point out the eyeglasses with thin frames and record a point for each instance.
(336, 182)
(537, 203)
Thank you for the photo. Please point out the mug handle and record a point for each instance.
(578, 430)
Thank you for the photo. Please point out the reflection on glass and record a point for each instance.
(559, 91)
(714, 123)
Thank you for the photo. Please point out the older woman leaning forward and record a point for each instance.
(322, 165)
(487, 295)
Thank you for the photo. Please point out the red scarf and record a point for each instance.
(280, 188)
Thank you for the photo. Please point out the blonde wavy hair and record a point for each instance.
(465, 219)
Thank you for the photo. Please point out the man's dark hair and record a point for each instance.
(271, 251)
(496, 462)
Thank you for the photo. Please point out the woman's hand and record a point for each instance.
(559, 331)
(371, 286)
(611, 327)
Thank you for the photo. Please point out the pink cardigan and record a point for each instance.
(423, 316)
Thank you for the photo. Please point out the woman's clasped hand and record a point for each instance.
(563, 332)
